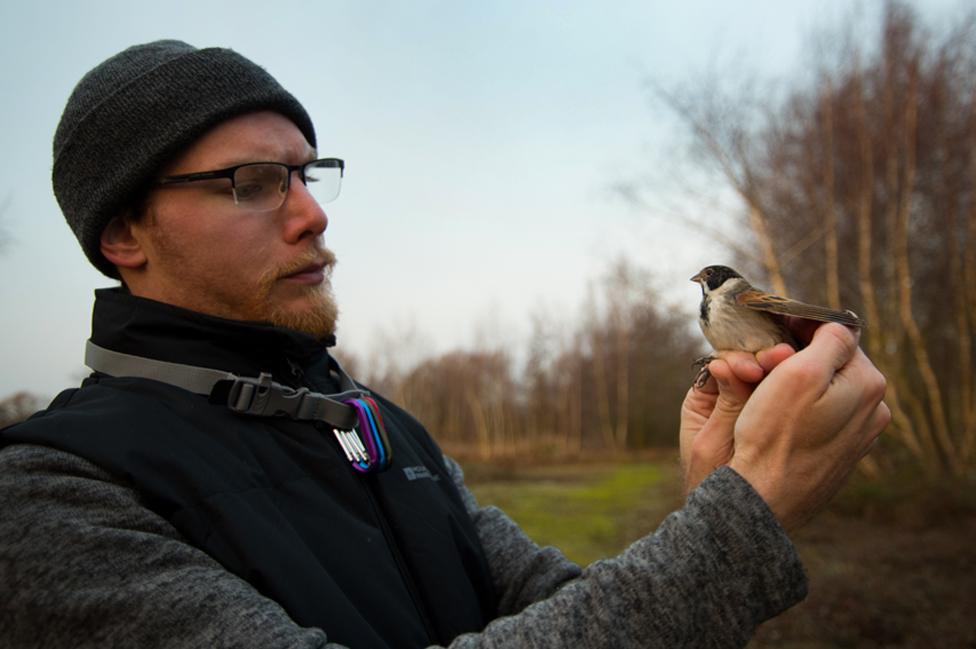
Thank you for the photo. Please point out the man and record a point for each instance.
(206, 486)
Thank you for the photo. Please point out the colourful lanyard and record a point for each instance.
(367, 446)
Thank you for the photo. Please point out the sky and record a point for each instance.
(482, 143)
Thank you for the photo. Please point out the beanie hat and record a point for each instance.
(129, 116)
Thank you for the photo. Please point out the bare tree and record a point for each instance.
(859, 189)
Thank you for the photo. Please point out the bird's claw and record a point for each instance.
(701, 364)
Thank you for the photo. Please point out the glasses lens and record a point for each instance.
(323, 179)
(260, 186)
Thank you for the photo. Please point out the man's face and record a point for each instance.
(207, 254)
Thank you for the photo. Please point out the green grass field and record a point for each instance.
(890, 565)
(589, 511)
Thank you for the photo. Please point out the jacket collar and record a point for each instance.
(143, 327)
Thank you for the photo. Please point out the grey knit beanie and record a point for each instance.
(128, 117)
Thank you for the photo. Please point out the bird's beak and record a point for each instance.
(696, 278)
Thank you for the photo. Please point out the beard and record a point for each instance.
(221, 292)
(319, 318)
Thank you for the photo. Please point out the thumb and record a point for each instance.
(834, 343)
(714, 443)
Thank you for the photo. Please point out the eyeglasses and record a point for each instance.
(263, 186)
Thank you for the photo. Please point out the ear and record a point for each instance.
(120, 245)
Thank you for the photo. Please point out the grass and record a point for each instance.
(589, 511)
(891, 564)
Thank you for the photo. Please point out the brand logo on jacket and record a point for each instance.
(419, 473)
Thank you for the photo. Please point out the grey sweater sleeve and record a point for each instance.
(84, 563)
(710, 574)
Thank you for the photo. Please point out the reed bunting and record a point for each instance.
(737, 316)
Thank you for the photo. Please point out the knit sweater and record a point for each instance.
(85, 563)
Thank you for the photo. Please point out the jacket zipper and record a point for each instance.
(398, 559)
(391, 542)
(380, 516)
(297, 373)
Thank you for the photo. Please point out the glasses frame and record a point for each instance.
(229, 172)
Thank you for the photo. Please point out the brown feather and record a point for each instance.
(761, 301)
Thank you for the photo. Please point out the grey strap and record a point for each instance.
(259, 396)
(200, 380)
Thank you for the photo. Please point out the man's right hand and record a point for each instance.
(808, 423)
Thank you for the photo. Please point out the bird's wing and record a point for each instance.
(761, 301)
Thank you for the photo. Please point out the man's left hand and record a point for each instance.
(708, 413)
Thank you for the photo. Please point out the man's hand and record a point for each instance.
(795, 434)
(806, 426)
(709, 413)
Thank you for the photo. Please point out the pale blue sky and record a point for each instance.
(481, 141)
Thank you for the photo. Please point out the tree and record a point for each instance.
(858, 188)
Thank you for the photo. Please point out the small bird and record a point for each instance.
(737, 316)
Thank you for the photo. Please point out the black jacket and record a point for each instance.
(385, 559)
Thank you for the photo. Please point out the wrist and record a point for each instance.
(766, 485)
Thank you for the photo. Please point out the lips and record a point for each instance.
(313, 273)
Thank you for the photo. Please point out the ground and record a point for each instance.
(891, 564)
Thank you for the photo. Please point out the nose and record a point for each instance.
(303, 216)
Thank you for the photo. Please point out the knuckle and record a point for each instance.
(874, 385)
(879, 386)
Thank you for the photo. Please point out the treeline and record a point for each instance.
(611, 382)
(854, 186)
(859, 189)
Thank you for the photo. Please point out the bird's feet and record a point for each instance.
(703, 375)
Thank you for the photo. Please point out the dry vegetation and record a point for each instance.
(613, 382)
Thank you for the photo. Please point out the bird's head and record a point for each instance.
(712, 277)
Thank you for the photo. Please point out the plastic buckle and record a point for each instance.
(262, 396)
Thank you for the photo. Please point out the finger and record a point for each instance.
(878, 422)
(834, 343)
(881, 419)
(699, 401)
(708, 387)
(744, 365)
(733, 392)
(770, 358)
(713, 444)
